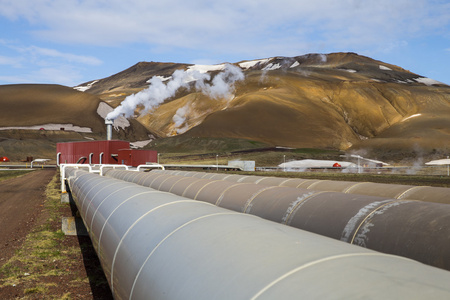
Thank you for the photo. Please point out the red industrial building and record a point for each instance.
(103, 152)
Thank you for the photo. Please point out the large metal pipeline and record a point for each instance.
(156, 245)
(396, 191)
(414, 229)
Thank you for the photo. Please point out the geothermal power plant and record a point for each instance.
(169, 234)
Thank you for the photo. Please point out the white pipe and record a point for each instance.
(112, 167)
(152, 166)
(63, 173)
(156, 245)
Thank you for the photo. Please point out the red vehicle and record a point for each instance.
(4, 159)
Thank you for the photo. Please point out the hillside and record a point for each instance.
(335, 101)
(34, 117)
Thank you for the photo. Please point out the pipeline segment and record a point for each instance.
(413, 229)
(157, 245)
(396, 191)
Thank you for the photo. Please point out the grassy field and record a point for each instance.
(197, 145)
(406, 173)
(7, 174)
(422, 180)
(263, 155)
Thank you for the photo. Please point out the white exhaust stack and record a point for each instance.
(109, 124)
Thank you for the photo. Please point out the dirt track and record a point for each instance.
(36, 262)
(21, 201)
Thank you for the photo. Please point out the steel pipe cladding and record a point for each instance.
(413, 229)
(158, 245)
(396, 191)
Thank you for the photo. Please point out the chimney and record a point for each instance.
(109, 124)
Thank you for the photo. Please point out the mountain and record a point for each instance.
(341, 101)
(34, 117)
(335, 101)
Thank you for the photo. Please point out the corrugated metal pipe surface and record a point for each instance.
(413, 229)
(157, 245)
(396, 191)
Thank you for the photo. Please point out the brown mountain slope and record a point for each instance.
(307, 112)
(57, 109)
(35, 104)
(322, 106)
(338, 100)
(115, 88)
(282, 114)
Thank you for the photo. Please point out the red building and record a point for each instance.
(103, 152)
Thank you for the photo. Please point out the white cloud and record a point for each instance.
(10, 61)
(216, 31)
(230, 24)
(64, 75)
(69, 57)
(42, 65)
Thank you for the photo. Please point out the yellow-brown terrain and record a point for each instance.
(337, 101)
(58, 110)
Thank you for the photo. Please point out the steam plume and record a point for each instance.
(180, 118)
(222, 86)
(323, 58)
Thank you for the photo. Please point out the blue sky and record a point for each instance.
(70, 42)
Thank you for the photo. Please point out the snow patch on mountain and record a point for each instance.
(423, 80)
(161, 77)
(51, 126)
(296, 64)
(104, 109)
(271, 67)
(140, 144)
(84, 88)
(427, 81)
(385, 68)
(206, 68)
(252, 63)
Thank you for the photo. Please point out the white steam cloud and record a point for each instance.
(180, 118)
(323, 58)
(222, 86)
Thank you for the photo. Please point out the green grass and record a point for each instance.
(7, 174)
(261, 158)
(196, 150)
(313, 151)
(421, 180)
(198, 145)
